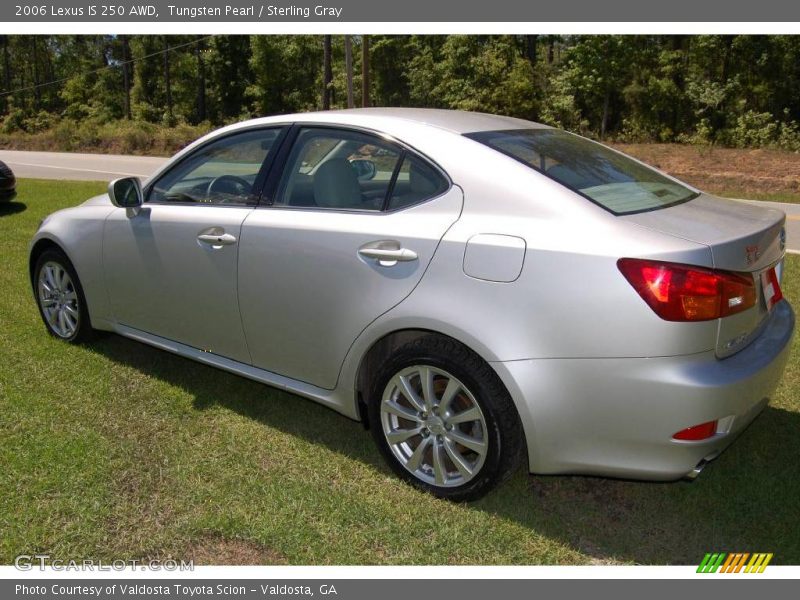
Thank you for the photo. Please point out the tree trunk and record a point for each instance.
(348, 66)
(531, 42)
(126, 75)
(678, 79)
(201, 82)
(604, 122)
(6, 71)
(37, 92)
(365, 71)
(718, 114)
(167, 83)
(327, 74)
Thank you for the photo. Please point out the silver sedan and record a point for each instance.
(481, 291)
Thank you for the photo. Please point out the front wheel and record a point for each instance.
(60, 298)
(444, 421)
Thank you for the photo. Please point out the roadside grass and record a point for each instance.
(788, 197)
(749, 173)
(118, 450)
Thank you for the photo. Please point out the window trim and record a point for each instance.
(281, 158)
(261, 177)
(473, 136)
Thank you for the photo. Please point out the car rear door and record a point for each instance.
(330, 253)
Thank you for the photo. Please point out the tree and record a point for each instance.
(199, 49)
(327, 77)
(365, 71)
(348, 61)
(169, 117)
(127, 66)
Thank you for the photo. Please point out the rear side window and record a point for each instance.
(416, 182)
(350, 170)
(608, 178)
(335, 169)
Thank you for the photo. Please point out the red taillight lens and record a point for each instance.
(698, 432)
(685, 293)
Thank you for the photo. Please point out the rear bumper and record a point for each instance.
(616, 416)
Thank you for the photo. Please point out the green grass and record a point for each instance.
(118, 450)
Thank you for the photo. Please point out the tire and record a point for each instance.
(428, 431)
(58, 290)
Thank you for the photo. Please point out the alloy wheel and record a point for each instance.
(434, 426)
(58, 300)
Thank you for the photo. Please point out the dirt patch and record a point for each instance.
(218, 550)
(720, 170)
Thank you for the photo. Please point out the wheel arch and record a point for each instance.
(90, 280)
(39, 247)
(389, 342)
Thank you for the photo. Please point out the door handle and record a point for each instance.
(217, 240)
(387, 253)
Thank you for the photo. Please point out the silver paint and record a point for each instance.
(289, 296)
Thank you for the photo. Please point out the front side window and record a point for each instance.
(222, 172)
(612, 180)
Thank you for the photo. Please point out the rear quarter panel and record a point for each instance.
(570, 300)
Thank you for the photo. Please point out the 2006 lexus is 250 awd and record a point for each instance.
(482, 291)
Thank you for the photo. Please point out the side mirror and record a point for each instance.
(365, 169)
(126, 193)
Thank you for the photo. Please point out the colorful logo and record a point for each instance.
(735, 562)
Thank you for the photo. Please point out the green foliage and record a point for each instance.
(741, 91)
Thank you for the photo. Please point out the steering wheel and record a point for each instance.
(228, 184)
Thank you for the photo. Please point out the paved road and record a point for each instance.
(63, 165)
(792, 222)
(87, 167)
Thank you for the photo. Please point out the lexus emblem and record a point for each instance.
(752, 254)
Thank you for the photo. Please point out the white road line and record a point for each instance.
(40, 166)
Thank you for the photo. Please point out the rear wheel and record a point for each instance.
(60, 298)
(444, 421)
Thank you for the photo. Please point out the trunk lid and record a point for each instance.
(743, 237)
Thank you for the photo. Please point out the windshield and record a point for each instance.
(612, 180)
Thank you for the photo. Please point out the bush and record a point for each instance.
(65, 135)
(14, 121)
(789, 137)
(128, 137)
(753, 130)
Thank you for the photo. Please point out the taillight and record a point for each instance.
(685, 293)
(697, 432)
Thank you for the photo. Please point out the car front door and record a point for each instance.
(349, 231)
(171, 269)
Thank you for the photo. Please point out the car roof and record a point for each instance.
(455, 121)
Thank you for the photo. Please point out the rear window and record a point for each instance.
(612, 180)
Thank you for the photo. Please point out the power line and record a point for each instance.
(107, 67)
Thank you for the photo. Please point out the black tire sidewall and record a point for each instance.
(483, 391)
(84, 329)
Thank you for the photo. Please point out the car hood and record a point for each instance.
(742, 235)
(101, 200)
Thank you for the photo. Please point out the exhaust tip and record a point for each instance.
(694, 473)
